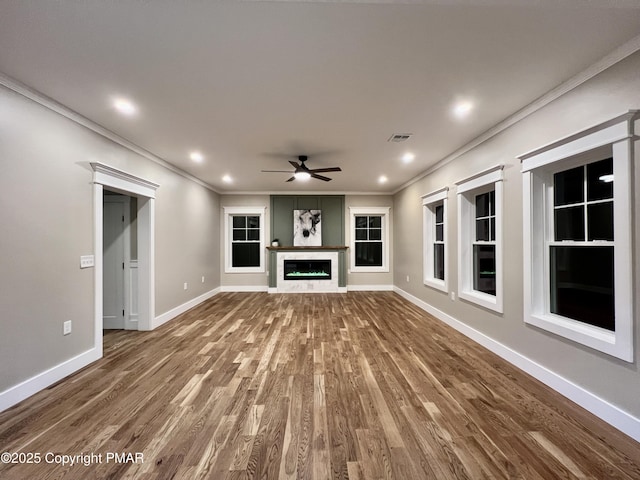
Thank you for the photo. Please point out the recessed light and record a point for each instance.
(408, 157)
(196, 157)
(125, 107)
(382, 179)
(462, 109)
(227, 179)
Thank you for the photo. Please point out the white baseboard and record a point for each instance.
(244, 288)
(370, 288)
(174, 312)
(17, 393)
(614, 416)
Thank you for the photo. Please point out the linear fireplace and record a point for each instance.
(307, 269)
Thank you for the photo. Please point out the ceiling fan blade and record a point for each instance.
(291, 179)
(331, 169)
(293, 164)
(320, 177)
(281, 171)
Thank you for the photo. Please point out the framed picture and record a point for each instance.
(307, 228)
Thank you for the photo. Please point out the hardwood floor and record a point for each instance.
(358, 386)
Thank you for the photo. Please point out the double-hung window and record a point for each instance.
(480, 239)
(434, 239)
(244, 239)
(577, 237)
(484, 243)
(369, 239)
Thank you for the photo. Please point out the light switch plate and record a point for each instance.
(87, 261)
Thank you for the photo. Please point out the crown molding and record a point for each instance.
(74, 116)
(609, 60)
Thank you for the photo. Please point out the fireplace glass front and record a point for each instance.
(307, 269)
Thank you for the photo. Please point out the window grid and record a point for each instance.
(246, 228)
(584, 205)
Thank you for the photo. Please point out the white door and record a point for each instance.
(113, 262)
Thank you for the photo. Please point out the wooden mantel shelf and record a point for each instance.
(289, 248)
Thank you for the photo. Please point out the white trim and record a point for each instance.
(180, 309)
(601, 408)
(480, 179)
(384, 212)
(590, 138)
(613, 138)
(105, 176)
(228, 229)
(491, 179)
(428, 239)
(623, 51)
(435, 196)
(33, 385)
(121, 180)
(370, 288)
(244, 288)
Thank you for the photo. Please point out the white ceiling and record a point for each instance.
(250, 83)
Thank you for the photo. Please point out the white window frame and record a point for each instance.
(359, 211)
(613, 138)
(429, 202)
(229, 212)
(467, 189)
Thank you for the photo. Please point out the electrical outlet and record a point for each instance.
(453, 296)
(87, 261)
(203, 279)
(407, 278)
(66, 327)
(185, 285)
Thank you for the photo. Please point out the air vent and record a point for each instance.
(399, 137)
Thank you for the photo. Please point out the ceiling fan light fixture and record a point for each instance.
(302, 175)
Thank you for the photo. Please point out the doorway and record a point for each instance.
(106, 178)
(120, 265)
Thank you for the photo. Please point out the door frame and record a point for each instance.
(144, 190)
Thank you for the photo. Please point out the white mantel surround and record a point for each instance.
(308, 285)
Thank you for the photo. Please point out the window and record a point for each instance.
(244, 233)
(580, 248)
(434, 238)
(479, 237)
(369, 239)
(577, 232)
(484, 245)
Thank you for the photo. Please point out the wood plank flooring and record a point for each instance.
(353, 386)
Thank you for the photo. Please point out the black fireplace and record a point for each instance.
(307, 269)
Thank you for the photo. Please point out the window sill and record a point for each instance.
(369, 270)
(484, 300)
(584, 334)
(244, 270)
(437, 284)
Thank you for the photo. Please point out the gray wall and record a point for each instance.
(47, 224)
(612, 92)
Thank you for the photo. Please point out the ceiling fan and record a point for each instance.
(302, 172)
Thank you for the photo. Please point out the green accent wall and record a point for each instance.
(332, 207)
